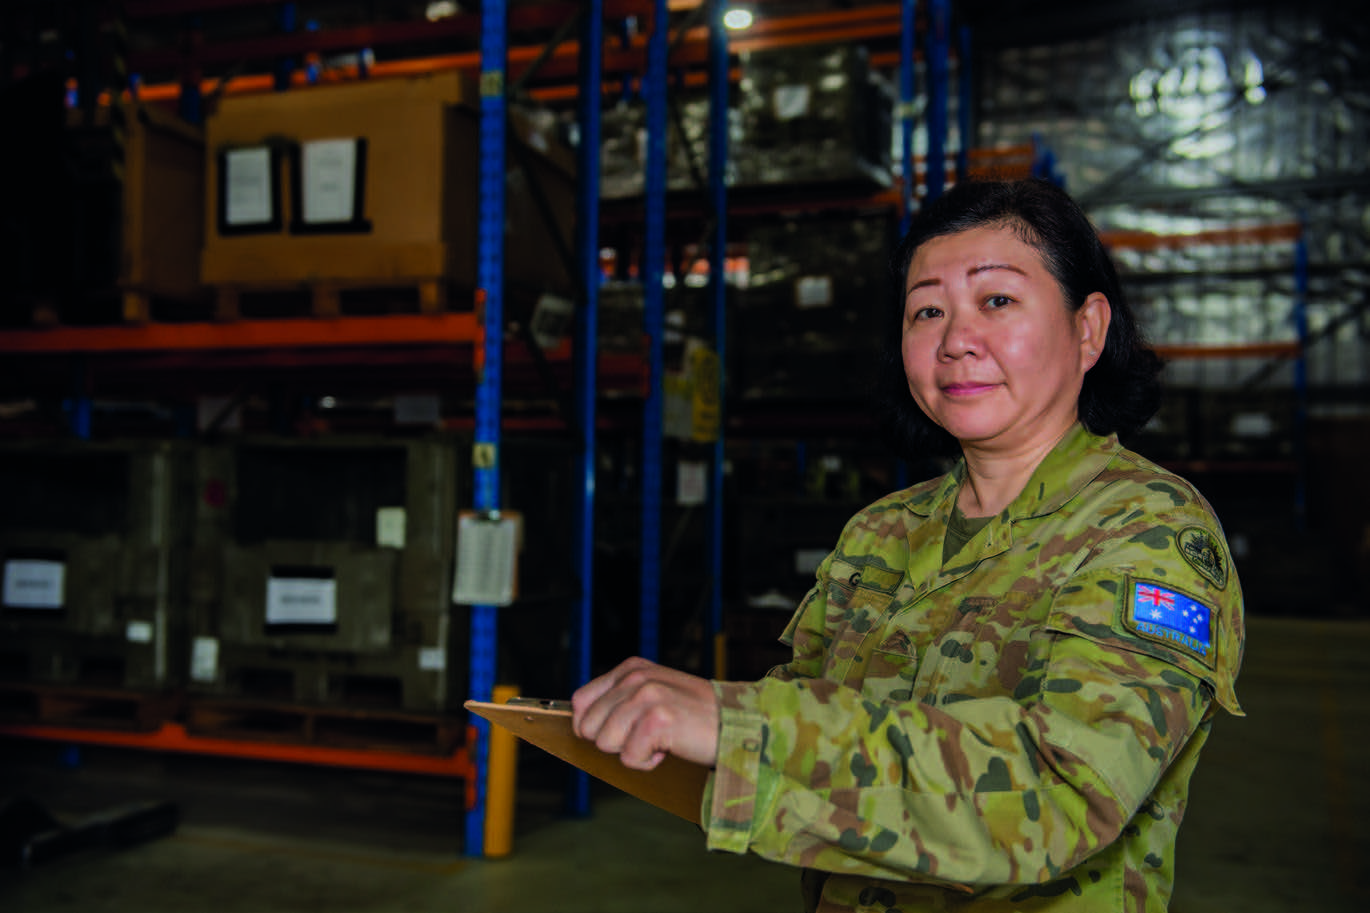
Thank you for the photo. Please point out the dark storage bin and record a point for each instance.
(94, 541)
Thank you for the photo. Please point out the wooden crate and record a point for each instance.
(119, 233)
(420, 191)
(163, 214)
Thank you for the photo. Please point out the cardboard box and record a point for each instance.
(419, 189)
(163, 215)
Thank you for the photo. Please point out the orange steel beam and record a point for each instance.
(302, 332)
(692, 50)
(173, 736)
(1256, 234)
(1240, 350)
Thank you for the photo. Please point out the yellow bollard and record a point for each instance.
(501, 782)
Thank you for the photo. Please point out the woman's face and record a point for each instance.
(991, 351)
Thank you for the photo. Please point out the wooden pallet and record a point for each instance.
(320, 298)
(330, 298)
(95, 708)
(144, 306)
(324, 726)
(109, 307)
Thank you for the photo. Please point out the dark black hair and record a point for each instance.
(1120, 393)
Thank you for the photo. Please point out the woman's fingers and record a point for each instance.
(641, 711)
(593, 701)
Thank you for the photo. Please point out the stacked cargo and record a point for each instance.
(1216, 124)
(103, 222)
(323, 574)
(802, 115)
(365, 195)
(813, 115)
(94, 539)
(1222, 306)
(623, 150)
(809, 324)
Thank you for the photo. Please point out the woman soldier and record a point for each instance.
(1003, 677)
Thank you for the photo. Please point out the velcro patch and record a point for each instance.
(1170, 617)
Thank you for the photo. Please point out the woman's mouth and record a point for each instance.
(966, 388)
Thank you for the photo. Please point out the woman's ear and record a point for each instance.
(1093, 319)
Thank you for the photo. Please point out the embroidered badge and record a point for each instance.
(1169, 616)
(1203, 553)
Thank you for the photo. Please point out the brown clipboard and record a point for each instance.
(674, 785)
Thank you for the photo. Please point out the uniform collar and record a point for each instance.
(1075, 461)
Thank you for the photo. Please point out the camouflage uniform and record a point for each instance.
(1014, 730)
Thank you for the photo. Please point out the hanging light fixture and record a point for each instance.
(738, 18)
(441, 9)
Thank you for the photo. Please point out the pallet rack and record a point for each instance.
(1293, 350)
(447, 336)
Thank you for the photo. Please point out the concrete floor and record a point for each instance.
(1279, 821)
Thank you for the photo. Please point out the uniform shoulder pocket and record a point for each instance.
(1155, 618)
(853, 574)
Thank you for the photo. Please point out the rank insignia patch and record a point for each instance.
(1203, 553)
(1171, 617)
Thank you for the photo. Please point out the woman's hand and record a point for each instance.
(641, 712)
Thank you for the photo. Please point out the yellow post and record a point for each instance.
(501, 782)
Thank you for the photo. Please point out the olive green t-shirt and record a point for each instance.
(960, 530)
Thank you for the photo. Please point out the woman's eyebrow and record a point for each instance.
(986, 267)
(974, 270)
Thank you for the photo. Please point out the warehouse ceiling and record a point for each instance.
(166, 42)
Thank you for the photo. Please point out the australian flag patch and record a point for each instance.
(1171, 617)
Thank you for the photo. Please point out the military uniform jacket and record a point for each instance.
(1014, 730)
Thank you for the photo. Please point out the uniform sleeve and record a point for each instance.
(1010, 789)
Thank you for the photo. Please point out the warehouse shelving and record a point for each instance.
(456, 341)
(1293, 350)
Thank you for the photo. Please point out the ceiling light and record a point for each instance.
(441, 9)
(737, 18)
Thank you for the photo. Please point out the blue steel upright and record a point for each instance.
(1301, 377)
(718, 289)
(907, 44)
(490, 297)
(963, 103)
(654, 324)
(938, 58)
(587, 350)
(287, 19)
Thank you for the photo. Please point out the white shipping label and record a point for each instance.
(330, 178)
(432, 659)
(790, 102)
(204, 659)
(248, 178)
(33, 583)
(301, 600)
(813, 292)
(139, 632)
(390, 527)
(692, 483)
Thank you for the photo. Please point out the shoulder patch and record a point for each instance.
(1201, 550)
(1166, 615)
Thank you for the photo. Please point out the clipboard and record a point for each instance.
(674, 785)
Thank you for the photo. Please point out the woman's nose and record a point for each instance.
(960, 336)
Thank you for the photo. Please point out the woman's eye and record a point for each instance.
(995, 302)
(926, 313)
